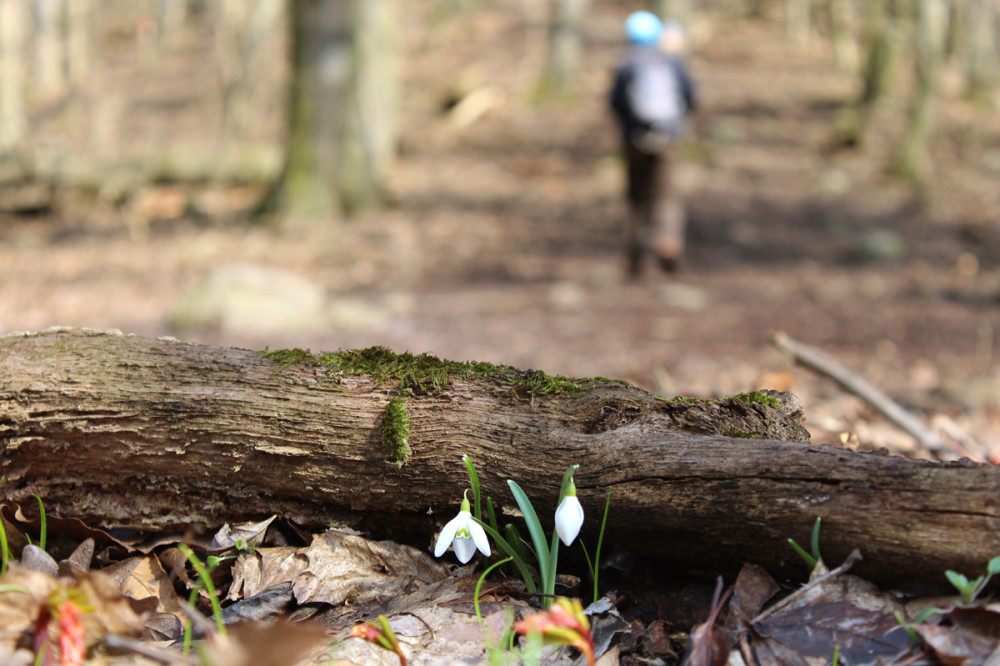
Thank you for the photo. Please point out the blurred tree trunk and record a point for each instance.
(845, 46)
(981, 49)
(678, 10)
(343, 101)
(13, 38)
(884, 26)
(78, 42)
(955, 35)
(929, 42)
(49, 75)
(242, 29)
(565, 45)
(798, 17)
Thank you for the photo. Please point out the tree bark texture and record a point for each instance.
(125, 431)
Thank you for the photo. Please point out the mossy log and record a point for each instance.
(125, 431)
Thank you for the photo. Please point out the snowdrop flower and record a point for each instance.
(569, 515)
(463, 534)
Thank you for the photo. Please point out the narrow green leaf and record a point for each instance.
(41, 520)
(814, 541)
(590, 567)
(4, 548)
(993, 568)
(809, 559)
(491, 514)
(515, 540)
(534, 529)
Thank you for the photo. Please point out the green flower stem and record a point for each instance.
(600, 542)
(479, 584)
(474, 482)
(550, 580)
(566, 481)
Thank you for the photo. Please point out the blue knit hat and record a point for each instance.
(643, 28)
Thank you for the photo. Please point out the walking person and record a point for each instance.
(651, 95)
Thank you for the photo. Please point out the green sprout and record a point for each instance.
(970, 589)
(205, 579)
(42, 524)
(4, 548)
(814, 557)
(914, 637)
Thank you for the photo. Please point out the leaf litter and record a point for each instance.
(295, 604)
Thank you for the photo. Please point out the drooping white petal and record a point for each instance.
(569, 519)
(479, 537)
(464, 547)
(448, 534)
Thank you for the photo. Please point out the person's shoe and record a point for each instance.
(670, 264)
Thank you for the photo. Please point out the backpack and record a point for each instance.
(654, 94)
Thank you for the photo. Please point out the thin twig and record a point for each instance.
(819, 362)
(149, 651)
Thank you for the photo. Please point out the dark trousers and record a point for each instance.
(656, 212)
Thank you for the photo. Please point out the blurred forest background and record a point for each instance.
(443, 176)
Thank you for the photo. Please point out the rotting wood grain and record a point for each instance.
(126, 431)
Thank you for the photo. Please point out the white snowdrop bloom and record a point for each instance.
(464, 535)
(569, 517)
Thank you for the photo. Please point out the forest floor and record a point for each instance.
(503, 239)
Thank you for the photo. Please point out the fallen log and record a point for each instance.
(125, 431)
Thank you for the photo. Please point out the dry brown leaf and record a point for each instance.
(833, 609)
(343, 568)
(710, 645)
(79, 561)
(264, 568)
(955, 647)
(753, 588)
(16, 541)
(142, 578)
(112, 613)
(250, 644)
(18, 609)
(249, 533)
(964, 635)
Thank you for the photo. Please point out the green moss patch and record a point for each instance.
(758, 397)
(396, 429)
(425, 372)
